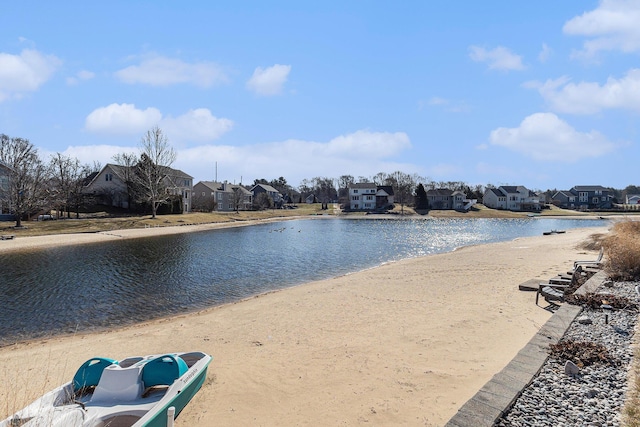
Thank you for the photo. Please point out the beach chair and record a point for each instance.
(596, 263)
(551, 292)
(556, 288)
(570, 279)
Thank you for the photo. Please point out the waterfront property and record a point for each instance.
(368, 196)
(209, 196)
(111, 186)
(513, 198)
(584, 197)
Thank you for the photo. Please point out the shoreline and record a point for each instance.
(406, 342)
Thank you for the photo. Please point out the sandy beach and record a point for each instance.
(405, 343)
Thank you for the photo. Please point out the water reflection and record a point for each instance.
(61, 290)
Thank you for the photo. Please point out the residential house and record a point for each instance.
(270, 191)
(511, 197)
(584, 197)
(4, 185)
(369, 196)
(444, 198)
(109, 186)
(564, 199)
(221, 197)
(632, 199)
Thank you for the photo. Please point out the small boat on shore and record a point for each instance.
(136, 391)
(548, 233)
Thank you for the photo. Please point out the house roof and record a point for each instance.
(590, 188)
(387, 189)
(509, 188)
(211, 185)
(120, 171)
(265, 187)
(363, 185)
(439, 192)
(495, 191)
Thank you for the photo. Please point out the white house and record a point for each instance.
(511, 197)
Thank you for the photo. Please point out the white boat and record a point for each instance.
(136, 391)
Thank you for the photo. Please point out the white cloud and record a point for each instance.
(122, 119)
(196, 125)
(126, 119)
(25, 72)
(545, 53)
(162, 71)
(545, 137)
(499, 58)
(80, 76)
(613, 25)
(590, 97)
(294, 159)
(269, 81)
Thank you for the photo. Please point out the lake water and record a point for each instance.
(97, 286)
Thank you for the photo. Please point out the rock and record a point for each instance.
(585, 320)
(571, 368)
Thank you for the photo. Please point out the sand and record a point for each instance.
(406, 343)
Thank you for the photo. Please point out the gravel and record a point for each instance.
(595, 396)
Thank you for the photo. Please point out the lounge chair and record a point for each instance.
(556, 288)
(591, 263)
(551, 292)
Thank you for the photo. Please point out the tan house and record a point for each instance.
(109, 186)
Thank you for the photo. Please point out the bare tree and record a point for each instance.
(24, 193)
(403, 185)
(67, 179)
(156, 158)
(128, 161)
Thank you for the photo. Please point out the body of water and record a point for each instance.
(97, 286)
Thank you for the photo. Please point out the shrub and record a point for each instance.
(622, 250)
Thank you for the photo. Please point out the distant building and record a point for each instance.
(368, 196)
(109, 186)
(584, 197)
(221, 197)
(511, 197)
(444, 198)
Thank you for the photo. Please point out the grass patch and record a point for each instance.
(93, 223)
(622, 250)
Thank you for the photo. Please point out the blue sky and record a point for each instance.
(544, 94)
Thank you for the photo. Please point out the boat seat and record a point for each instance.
(118, 385)
(163, 370)
(88, 375)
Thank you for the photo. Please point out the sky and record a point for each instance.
(544, 94)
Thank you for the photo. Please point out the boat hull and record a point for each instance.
(143, 406)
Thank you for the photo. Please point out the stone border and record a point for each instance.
(497, 396)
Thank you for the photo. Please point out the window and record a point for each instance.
(108, 177)
(355, 191)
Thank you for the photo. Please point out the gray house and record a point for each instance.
(443, 198)
(584, 197)
(221, 197)
(4, 184)
(269, 190)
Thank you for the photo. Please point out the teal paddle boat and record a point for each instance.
(137, 391)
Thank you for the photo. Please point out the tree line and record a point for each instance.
(31, 185)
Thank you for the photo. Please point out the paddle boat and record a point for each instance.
(137, 391)
(548, 233)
